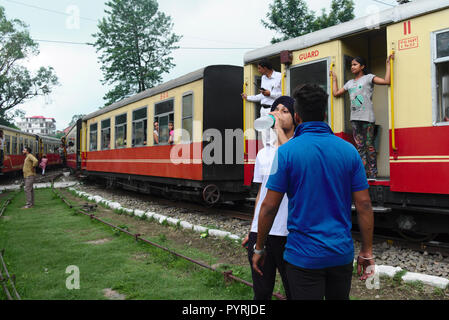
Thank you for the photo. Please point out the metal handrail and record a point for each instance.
(332, 96)
(393, 129)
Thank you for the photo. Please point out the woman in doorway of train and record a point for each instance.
(266, 164)
(362, 112)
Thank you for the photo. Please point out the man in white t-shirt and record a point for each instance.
(283, 111)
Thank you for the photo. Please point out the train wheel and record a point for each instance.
(211, 194)
(417, 237)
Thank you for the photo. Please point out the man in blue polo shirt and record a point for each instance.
(321, 175)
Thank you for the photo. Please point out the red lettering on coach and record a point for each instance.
(309, 55)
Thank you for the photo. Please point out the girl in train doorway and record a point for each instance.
(362, 112)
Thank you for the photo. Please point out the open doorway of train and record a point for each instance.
(372, 46)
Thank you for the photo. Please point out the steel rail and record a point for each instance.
(226, 274)
(8, 277)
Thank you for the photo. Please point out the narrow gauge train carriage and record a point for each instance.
(71, 143)
(51, 147)
(117, 142)
(412, 139)
(16, 140)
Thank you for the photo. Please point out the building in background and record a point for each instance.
(38, 125)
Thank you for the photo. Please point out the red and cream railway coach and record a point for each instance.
(183, 138)
(411, 115)
(15, 141)
(71, 143)
(51, 148)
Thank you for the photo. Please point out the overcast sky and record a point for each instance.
(212, 24)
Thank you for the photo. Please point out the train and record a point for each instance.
(411, 194)
(16, 140)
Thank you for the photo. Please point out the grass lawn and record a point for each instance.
(41, 243)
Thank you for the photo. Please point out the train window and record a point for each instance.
(441, 77)
(14, 145)
(187, 118)
(93, 137)
(315, 72)
(20, 144)
(26, 143)
(120, 131)
(139, 127)
(7, 144)
(443, 44)
(106, 134)
(163, 113)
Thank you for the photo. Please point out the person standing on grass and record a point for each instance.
(263, 286)
(321, 175)
(362, 112)
(29, 173)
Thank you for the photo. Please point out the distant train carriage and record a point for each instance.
(413, 131)
(51, 147)
(71, 143)
(15, 141)
(129, 143)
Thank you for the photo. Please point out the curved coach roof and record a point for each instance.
(15, 130)
(393, 15)
(188, 78)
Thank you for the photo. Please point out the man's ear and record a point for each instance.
(298, 119)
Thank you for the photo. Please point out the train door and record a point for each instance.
(372, 46)
(313, 72)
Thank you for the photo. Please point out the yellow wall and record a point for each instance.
(195, 87)
(413, 91)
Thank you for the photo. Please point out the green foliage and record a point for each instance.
(17, 83)
(293, 18)
(135, 41)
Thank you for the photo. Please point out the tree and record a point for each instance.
(134, 41)
(75, 119)
(18, 84)
(293, 18)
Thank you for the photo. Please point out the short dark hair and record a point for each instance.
(265, 64)
(28, 149)
(310, 102)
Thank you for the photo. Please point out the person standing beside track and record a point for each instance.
(270, 90)
(29, 173)
(263, 286)
(320, 173)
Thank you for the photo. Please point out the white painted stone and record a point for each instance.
(115, 205)
(199, 229)
(438, 282)
(149, 214)
(139, 213)
(186, 225)
(218, 233)
(97, 199)
(172, 221)
(234, 237)
(388, 271)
